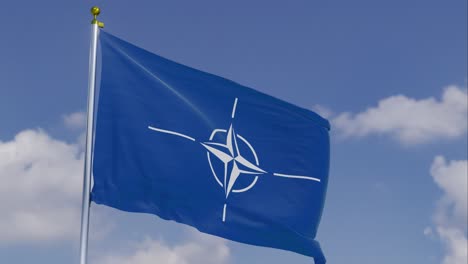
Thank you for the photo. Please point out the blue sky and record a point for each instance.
(398, 172)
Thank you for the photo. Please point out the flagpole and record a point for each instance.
(95, 11)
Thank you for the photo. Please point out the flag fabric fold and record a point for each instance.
(204, 151)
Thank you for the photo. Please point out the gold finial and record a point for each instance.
(95, 11)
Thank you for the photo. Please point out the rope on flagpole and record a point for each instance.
(95, 11)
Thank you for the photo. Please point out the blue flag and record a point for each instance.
(204, 151)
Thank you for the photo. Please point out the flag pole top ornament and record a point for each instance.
(95, 11)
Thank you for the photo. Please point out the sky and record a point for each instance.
(391, 76)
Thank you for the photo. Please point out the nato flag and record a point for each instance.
(204, 151)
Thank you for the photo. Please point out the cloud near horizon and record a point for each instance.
(409, 120)
(41, 188)
(450, 216)
(198, 249)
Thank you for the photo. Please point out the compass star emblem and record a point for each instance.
(234, 162)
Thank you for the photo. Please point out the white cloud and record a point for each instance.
(40, 188)
(200, 249)
(322, 110)
(456, 245)
(410, 120)
(428, 232)
(75, 120)
(452, 178)
(450, 216)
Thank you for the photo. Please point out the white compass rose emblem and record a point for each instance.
(234, 162)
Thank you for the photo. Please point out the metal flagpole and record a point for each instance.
(95, 11)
